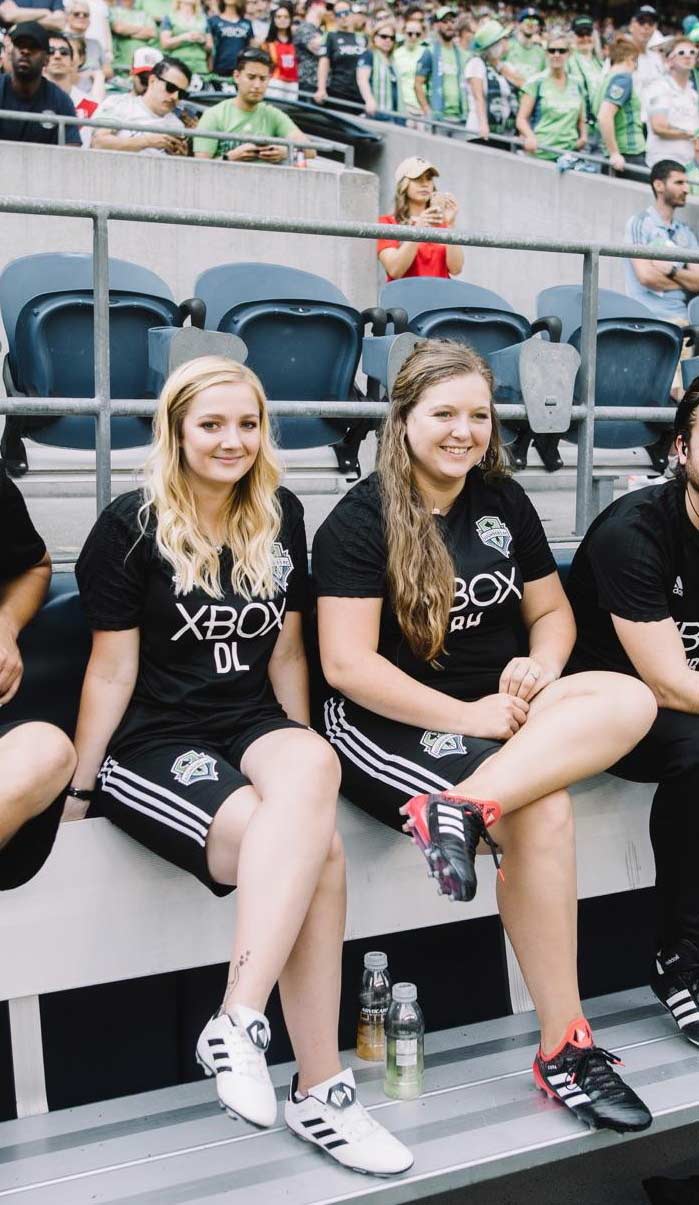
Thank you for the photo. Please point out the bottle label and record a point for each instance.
(406, 1052)
(372, 1016)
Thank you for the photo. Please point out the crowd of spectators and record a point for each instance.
(557, 85)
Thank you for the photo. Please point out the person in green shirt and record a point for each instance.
(405, 60)
(551, 117)
(619, 109)
(131, 28)
(588, 69)
(247, 113)
(525, 56)
(185, 33)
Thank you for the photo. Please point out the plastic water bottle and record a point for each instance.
(405, 1042)
(374, 999)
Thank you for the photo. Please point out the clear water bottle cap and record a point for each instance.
(375, 960)
(404, 992)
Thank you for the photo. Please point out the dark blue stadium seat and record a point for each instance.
(565, 302)
(636, 363)
(304, 341)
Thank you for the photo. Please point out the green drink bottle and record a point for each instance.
(405, 1039)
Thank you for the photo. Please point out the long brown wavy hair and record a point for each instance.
(420, 568)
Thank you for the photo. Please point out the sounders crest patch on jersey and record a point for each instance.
(494, 533)
(441, 744)
(282, 565)
(194, 767)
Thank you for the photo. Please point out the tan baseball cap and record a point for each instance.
(413, 168)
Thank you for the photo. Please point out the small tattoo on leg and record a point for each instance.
(235, 973)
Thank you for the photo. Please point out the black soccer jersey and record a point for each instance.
(203, 661)
(497, 544)
(640, 561)
(21, 546)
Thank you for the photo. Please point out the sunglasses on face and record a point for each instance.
(81, 14)
(342, 12)
(386, 37)
(558, 49)
(173, 89)
(62, 50)
(413, 33)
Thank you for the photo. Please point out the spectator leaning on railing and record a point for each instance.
(167, 84)
(337, 67)
(23, 89)
(552, 109)
(418, 204)
(439, 83)
(246, 113)
(587, 67)
(377, 78)
(491, 99)
(673, 107)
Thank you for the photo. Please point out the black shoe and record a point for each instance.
(447, 828)
(517, 451)
(547, 447)
(662, 1191)
(14, 455)
(580, 1076)
(676, 984)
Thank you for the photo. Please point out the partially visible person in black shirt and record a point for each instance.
(36, 759)
(443, 631)
(24, 90)
(634, 586)
(337, 67)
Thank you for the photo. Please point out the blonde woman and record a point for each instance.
(185, 33)
(417, 203)
(193, 738)
(428, 572)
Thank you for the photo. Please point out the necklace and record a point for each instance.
(688, 496)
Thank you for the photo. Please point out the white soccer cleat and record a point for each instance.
(233, 1049)
(332, 1118)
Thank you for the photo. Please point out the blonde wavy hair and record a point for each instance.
(420, 568)
(252, 515)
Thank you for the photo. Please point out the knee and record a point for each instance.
(55, 757)
(322, 768)
(634, 703)
(547, 823)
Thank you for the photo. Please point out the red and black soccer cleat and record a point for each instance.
(447, 828)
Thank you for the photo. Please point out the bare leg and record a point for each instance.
(576, 727)
(273, 842)
(310, 982)
(538, 906)
(36, 762)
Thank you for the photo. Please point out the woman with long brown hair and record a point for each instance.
(193, 738)
(417, 203)
(429, 572)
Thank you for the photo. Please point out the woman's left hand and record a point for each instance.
(450, 208)
(524, 677)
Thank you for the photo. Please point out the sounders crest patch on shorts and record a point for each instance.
(442, 744)
(282, 565)
(194, 767)
(494, 533)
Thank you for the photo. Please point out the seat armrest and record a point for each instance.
(377, 319)
(690, 335)
(552, 325)
(194, 309)
(399, 317)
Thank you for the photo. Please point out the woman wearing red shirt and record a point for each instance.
(281, 49)
(417, 204)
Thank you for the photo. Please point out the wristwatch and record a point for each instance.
(673, 271)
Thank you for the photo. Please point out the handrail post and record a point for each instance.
(588, 373)
(61, 133)
(100, 293)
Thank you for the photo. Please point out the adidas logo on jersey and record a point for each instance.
(678, 588)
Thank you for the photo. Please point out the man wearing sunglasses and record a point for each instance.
(337, 67)
(673, 107)
(167, 84)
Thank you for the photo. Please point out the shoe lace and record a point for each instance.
(597, 1064)
(356, 1123)
(473, 833)
(246, 1058)
(689, 977)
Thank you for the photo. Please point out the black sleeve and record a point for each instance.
(112, 568)
(21, 546)
(297, 591)
(531, 548)
(629, 571)
(349, 550)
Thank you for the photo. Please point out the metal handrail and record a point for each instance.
(62, 120)
(102, 408)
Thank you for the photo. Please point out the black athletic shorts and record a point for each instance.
(25, 854)
(166, 795)
(385, 763)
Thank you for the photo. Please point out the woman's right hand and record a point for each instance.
(529, 143)
(495, 717)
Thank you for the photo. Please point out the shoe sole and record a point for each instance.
(440, 868)
(607, 1125)
(235, 1116)
(350, 1168)
(681, 1032)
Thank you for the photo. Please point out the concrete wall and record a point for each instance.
(323, 192)
(513, 196)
